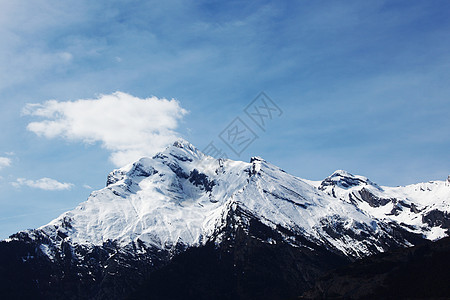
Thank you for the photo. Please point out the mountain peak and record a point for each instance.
(183, 144)
(345, 180)
(182, 150)
(341, 173)
(256, 158)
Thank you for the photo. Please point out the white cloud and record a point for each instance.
(47, 184)
(87, 186)
(4, 162)
(128, 126)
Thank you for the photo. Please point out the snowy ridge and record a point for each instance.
(282, 199)
(181, 197)
(422, 208)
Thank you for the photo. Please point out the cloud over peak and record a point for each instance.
(128, 126)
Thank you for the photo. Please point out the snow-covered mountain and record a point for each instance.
(157, 209)
(181, 197)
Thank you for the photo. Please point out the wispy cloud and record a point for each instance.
(128, 126)
(4, 162)
(10, 217)
(45, 183)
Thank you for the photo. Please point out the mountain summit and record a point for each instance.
(181, 203)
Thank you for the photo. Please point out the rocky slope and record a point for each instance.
(421, 208)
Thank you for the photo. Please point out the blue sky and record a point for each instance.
(363, 86)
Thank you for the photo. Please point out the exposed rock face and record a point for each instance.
(373, 200)
(437, 218)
